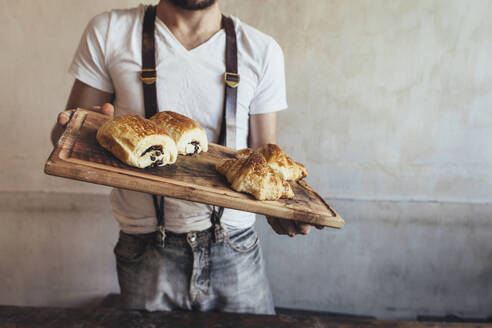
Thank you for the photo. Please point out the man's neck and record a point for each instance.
(190, 27)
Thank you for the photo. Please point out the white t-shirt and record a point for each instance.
(188, 82)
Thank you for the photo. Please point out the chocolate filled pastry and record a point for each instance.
(252, 175)
(189, 136)
(137, 142)
(282, 164)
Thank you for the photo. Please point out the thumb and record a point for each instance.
(107, 109)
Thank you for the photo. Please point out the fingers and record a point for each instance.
(288, 227)
(280, 227)
(64, 117)
(303, 228)
(107, 109)
(275, 225)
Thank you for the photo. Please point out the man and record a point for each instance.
(194, 270)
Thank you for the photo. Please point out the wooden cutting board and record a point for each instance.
(79, 156)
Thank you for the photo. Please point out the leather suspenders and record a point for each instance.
(231, 78)
(148, 76)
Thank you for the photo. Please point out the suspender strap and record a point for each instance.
(231, 78)
(159, 209)
(227, 134)
(148, 75)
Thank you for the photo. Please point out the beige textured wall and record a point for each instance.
(38, 40)
(388, 99)
(390, 109)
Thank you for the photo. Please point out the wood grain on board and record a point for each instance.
(79, 156)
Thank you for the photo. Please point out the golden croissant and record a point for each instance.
(282, 164)
(252, 175)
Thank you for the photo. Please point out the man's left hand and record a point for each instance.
(290, 227)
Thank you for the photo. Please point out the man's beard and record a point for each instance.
(193, 4)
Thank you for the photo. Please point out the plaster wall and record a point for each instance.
(389, 108)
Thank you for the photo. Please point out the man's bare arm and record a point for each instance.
(83, 96)
(263, 130)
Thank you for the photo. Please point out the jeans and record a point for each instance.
(194, 271)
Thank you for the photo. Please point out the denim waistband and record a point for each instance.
(204, 234)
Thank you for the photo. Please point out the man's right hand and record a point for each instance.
(65, 116)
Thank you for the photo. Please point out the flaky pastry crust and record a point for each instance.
(282, 164)
(137, 142)
(252, 175)
(188, 135)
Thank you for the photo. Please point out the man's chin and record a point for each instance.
(193, 4)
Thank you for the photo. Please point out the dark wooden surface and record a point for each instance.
(24, 317)
(79, 156)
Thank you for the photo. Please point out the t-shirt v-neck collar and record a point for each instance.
(178, 46)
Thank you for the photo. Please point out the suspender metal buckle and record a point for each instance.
(232, 79)
(148, 75)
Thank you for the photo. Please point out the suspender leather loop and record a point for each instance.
(232, 79)
(148, 76)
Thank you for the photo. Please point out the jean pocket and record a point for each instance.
(242, 241)
(130, 248)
